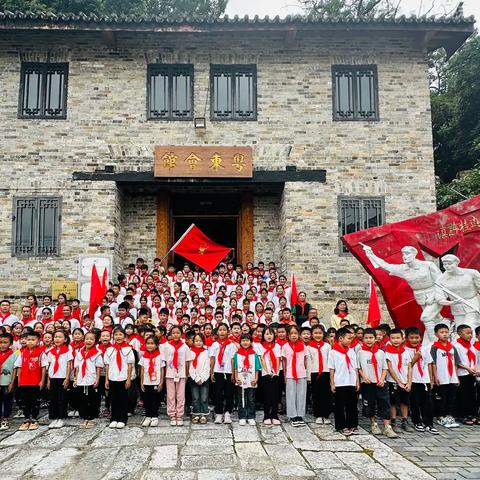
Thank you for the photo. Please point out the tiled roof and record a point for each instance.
(225, 20)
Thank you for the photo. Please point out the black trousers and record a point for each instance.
(89, 402)
(103, 392)
(421, 407)
(30, 395)
(151, 401)
(270, 397)
(466, 403)
(132, 398)
(321, 394)
(224, 389)
(445, 397)
(73, 400)
(6, 402)
(246, 403)
(376, 401)
(57, 407)
(119, 401)
(346, 413)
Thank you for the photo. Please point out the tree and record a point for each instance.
(456, 112)
(467, 185)
(350, 8)
(167, 8)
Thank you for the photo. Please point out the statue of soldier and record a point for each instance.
(421, 276)
(462, 286)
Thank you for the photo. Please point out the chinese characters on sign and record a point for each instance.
(459, 228)
(198, 161)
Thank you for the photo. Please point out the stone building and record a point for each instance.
(336, 113)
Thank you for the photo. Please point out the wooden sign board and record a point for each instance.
(197, 162)
(68, 287)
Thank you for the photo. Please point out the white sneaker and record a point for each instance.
(451, 422)
(113, 425)
(319, 420)
(173, 422)
(242, 422)
(227, 418)
(252, 422)
(53, 424)
(71, 413)
(59, 424)
(76, 414)
(147, 422)
(179, 422)
(327, 421)
(154, 422)
(120, 425)
(218, 418)
(19, 414)
(267, 421)
(276, 421)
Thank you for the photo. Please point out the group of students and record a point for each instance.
(191, 355)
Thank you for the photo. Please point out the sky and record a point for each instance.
(290, 7)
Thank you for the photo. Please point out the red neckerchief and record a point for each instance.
(103, 348)
(355, 342)
(151, 356)
(176, 347)
(470, 355)
(197, 351)
(318, 346)
(258, 316)
(446, 348)
(85, 356)
(343, 350)
(383, 342)
(269, 351)
(162, 341)
(417, 349)
(296, 348)
(373, 350)
(4, 316)
(56, 352)
(234, 338)
(76, 346)
(118, 347)
(223, 346)
(281, 341)
(476, 345)
(4, 356)
(208, 341)
(391, 349)
(256, 339)
(342, 315)
(246, 356)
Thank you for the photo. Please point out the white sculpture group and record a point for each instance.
(457, 287)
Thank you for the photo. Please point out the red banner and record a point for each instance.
(453, 230)
(195, 246)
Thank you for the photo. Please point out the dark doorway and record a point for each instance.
(221, 229)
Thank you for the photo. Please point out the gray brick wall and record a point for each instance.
(107, 125)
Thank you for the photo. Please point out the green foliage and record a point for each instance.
(468, 185)
(456, 113)
(351, 8)
(168, 8)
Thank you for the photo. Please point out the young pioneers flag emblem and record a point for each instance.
(195, 246)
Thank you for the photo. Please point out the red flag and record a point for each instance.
(104, 283)
(374, 314)
(95, 291)
(294, 294)
(195, 246)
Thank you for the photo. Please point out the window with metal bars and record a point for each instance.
(356, 214)
(43, 90)
(36, 226)
(233, 92)
(170, 92)
(355, 92)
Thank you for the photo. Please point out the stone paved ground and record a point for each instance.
(223, 452)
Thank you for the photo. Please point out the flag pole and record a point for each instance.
(177, 242)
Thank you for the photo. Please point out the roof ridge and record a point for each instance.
(123, 18)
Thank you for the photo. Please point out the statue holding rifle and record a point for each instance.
(421, 275)
(462, 286)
